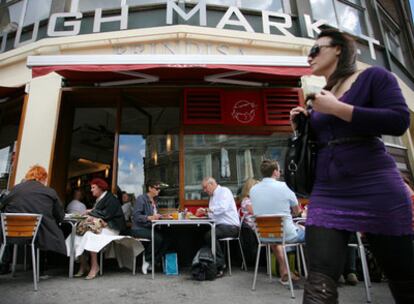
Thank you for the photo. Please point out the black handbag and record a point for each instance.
(300, 158)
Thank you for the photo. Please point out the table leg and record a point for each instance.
(152, 252)
(72, 250)
(213, 240)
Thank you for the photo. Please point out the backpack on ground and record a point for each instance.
(204, 267)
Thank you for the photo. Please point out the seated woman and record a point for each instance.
(33, 196)
(107, 208)
(248, 238)
(145, 211)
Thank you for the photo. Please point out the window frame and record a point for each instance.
(362, 8)
(390, 26)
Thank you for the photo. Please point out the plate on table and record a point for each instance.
(75, 217)
(198, 218)
(166, 218)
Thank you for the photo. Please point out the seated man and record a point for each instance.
(145, 211)
(271, 196)
(222, 208)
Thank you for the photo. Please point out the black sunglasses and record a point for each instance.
(157, 188)
(316, 49)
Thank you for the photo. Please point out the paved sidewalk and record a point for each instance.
(119, 286)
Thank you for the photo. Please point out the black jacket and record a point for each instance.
(33, 197)
(109, 209)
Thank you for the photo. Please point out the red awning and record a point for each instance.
(72, 69)
(169, 69)
(172, 72)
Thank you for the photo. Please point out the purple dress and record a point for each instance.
(358, 186)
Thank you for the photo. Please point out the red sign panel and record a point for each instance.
(242, 108)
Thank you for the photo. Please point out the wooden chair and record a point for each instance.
(269, 231)
(21, 228)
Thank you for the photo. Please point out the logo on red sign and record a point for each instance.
(244, 111)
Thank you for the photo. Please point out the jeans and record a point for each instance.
(327, 249)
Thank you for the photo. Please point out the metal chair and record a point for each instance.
(21, 228)
(365, 271)
(134, 266)
(227, 240)
(269, 231)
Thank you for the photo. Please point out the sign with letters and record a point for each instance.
(72, 22)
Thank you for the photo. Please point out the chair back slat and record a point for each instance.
(269, 226)
(20, 225)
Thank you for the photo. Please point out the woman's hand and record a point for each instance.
(86, 212)
(293, 113)
(154, 217)
(327, 103)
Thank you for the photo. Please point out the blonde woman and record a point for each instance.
(246, 204)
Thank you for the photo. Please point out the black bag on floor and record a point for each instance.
(204, 267)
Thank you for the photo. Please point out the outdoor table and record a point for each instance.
(73, 222)
(195, 221)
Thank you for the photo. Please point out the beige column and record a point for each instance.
(40, 123)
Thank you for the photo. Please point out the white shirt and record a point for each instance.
(76, 206)
(223, 207)
(273, 197)
(127, 209)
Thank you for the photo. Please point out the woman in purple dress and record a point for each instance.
(358, 186)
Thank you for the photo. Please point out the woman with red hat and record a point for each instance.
(108, 209)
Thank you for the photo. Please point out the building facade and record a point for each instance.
(131, 90)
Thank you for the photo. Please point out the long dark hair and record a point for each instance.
(347, 59)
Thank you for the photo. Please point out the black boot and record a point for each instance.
(320, 289)
(402, 291)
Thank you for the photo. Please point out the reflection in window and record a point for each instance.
(5, 164)
(392, 33)
(10, 112)
(268, 5)
(91, 5)
(148, 150)
(230, 159)
(351, 19)
(36, 10)
(346, 16)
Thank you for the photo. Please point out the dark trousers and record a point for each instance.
(351, 255)
(222, 231)
(161, 242)
(326, 253)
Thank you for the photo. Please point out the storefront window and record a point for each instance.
(230, 159)
(33, 10)
(10, 112)
(392, 34)
(91, 5)
(148, 150)
(91, 153)
(268, 5)
(344, 14)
